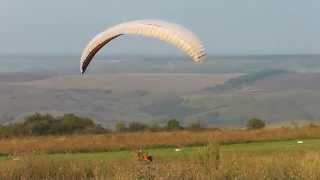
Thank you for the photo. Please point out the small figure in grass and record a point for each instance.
(143, 156)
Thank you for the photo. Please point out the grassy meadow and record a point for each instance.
(209, 154)
(132, 141)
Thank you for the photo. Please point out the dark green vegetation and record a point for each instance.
(46, 124)
(246, 80)
(132, 127)
(173, 124)
(255, 123)
(38, 124)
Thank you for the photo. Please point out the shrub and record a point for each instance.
(173, 124)
(137, 126)
(255, 123)
(121, 127)
(69, 123)
(38, 124)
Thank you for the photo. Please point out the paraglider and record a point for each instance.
(165, 31)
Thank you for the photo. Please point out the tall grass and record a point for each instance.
(121, 141)
(209, 163)
(294, 165)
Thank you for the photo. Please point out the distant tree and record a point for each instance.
(121, 127)
(38, 124)
(173, 124)
(70, 123)
(255, 123)
(16, 129)
(137, 126)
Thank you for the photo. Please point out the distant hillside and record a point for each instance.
(273, 95)
(178, 82)
(23, 76)
(106, 97)
(289, 81)
(246, 80)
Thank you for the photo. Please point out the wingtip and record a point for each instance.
(82, 72)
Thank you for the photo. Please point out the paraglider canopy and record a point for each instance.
(165, 31)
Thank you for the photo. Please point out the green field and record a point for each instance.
(257, 160)
(257, 148)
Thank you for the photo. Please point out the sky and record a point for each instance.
(224, 26)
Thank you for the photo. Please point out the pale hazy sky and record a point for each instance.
(224, 26)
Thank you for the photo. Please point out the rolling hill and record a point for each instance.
(274, 88)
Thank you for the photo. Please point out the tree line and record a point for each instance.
(174, 124)
(38, 124)
(171, 125)
(46, 124)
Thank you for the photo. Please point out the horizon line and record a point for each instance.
(156, 55)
